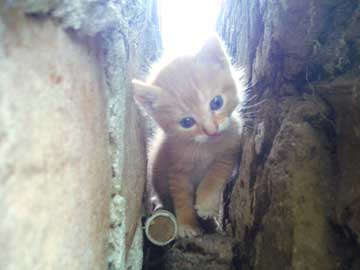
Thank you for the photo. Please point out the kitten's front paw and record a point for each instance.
(207, 207)
(189, 231)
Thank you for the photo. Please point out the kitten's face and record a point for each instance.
(192, 98)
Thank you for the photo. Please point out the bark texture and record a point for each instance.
(296, 202)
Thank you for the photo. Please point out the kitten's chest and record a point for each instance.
(198, 161)
(200, 168)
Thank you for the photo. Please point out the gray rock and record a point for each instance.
(295, 204)
(71, 140)
(55, 168)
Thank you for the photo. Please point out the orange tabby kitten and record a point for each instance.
(193, 101)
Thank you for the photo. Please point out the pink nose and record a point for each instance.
(211, 133)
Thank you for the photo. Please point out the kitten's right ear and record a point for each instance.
(213, 53)
(146, 95)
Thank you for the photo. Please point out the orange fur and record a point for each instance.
(187, 167)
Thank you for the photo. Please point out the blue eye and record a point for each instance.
(216, 103)
(187, 122)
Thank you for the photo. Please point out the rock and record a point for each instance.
(70, 129)
(55, 168)
(206, 252)
(295, 204)
(343, 94)
(128, 49)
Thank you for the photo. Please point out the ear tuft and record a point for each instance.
(146, 95)
(213, 53)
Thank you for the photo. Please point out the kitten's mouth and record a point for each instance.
(210, 138)
(204, 138)
(215, 137)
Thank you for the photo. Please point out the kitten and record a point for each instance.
(193, 101)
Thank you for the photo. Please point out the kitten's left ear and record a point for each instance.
(146, 95)
(213, 53)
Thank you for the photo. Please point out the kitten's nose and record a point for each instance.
(215, 134)
(211, 130)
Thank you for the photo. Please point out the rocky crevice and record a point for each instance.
(297, 193)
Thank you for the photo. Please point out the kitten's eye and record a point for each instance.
(216, 103)
(187, 122)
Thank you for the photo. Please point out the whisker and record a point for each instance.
(248, 119)
(254, 105)
(247, 91)
(249, 98)
(248, 127)
(249, 122)
(248, 113)
(250, 85)
(248, 116)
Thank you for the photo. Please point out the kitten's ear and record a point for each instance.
(213, 53)
(146, 94)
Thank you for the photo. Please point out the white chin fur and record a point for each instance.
(201, 138)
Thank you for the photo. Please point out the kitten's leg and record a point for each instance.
(181, 190)
(209, 191)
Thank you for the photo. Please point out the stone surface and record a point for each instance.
(127, 40)
(295, 204)
(55, 168)
(213, 252)
(87, 17)
(129, 48)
